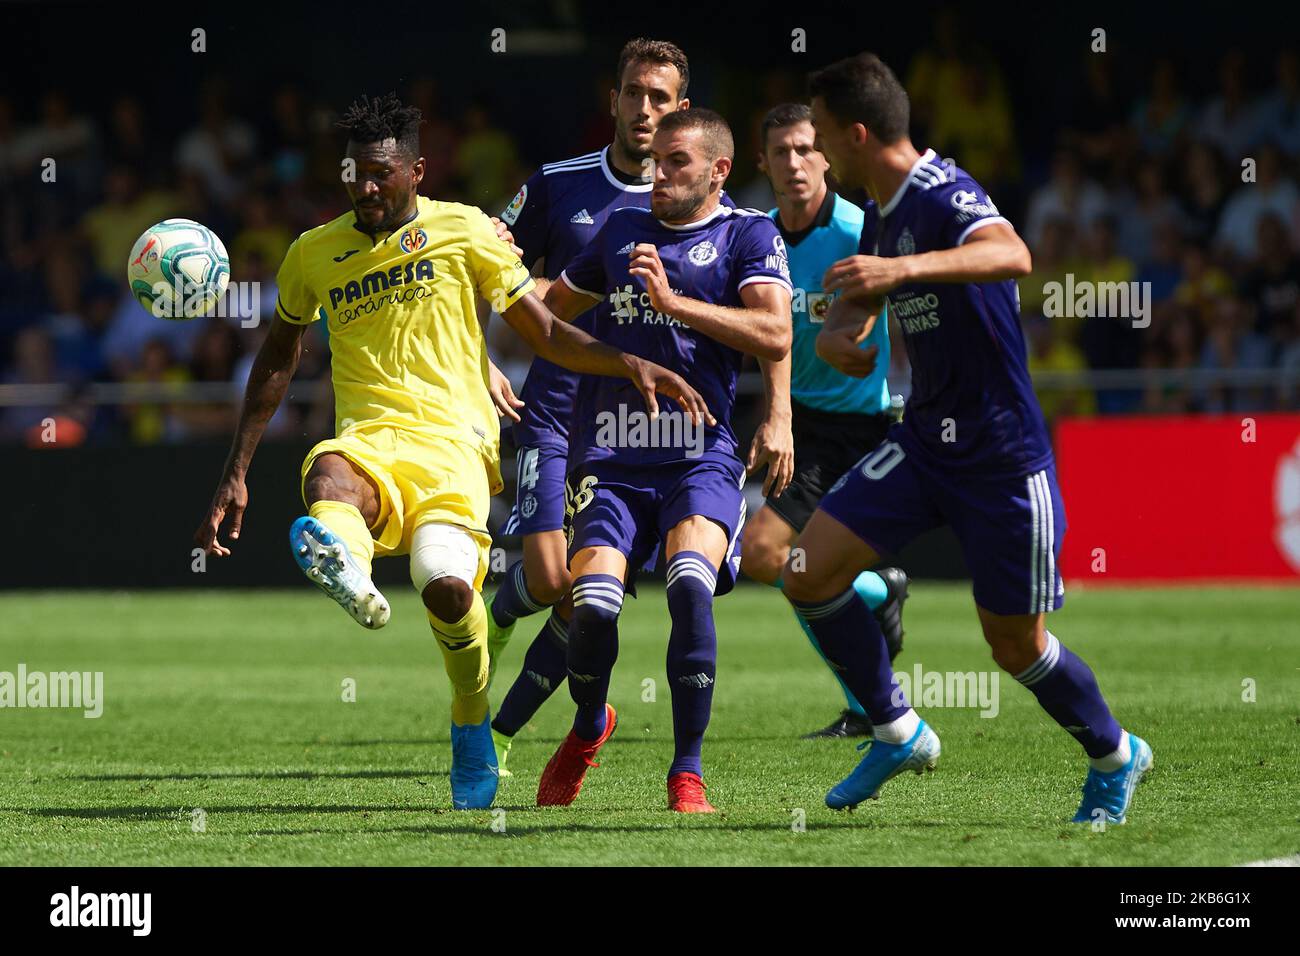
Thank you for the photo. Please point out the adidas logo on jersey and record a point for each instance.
(582, 218)
(626, 250)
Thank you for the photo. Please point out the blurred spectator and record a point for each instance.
(1238, 230)
(154, 422)
(935, 72)
(1067, 195)
(1289, 366)
(1273, 284)
(219, 148)
(439, 139)
(64, 137)
(78, 317)
(1109, 341)
(114, 225)
(1141, 214)
(216, 354)
(973, 125)
(1203, 283)
(133, 326)
(1053, 261)
(1097, 117)
(487, 161)
(1279, 113)
(264, 234)
(1048, 352)
(1174, 345)
(1228, 121)
(287, 136)
(128, 141)
(1230, 345)
(1205, 190)
(33, 363)
(1162, 271)
(1160, 119)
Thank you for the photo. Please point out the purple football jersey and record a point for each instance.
(554, 214)
(710, 260)
(972, 405)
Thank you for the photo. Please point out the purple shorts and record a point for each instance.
(1010, 529)
(631, 508)
(539, 491)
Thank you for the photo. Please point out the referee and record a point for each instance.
(836, 419)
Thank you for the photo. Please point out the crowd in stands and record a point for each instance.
(1192, 195)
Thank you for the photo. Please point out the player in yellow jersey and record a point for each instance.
(415, 456)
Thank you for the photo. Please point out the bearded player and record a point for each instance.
(552, 217)
(971, 452)
(696, 285)
(415, 458)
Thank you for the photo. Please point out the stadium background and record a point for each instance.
(1116, 166)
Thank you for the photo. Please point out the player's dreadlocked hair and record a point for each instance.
(384, 117)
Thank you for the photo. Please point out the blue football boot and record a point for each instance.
(328, 564)
(881, 763)
(1106, 796)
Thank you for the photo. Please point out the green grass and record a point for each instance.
(231, 702)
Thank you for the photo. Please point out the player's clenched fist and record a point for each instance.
(862, 277)
(649, 268)
(231, 499)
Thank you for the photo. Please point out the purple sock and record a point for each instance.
(593, 648)
(512, 600)
(545, 665)
(854, 647)
(1068, 691)
(692, 656)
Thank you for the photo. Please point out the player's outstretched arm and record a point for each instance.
(762, 328)
(989, 254)
(568, 346)
(848, 323)
(268, 381)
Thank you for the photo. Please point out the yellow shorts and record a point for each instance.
(421, 479)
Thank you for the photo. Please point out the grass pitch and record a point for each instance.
(231, 703)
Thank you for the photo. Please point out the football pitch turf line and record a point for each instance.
(230, 703)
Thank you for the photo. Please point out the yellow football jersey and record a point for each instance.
(407, 348)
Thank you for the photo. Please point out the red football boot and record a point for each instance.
(563, 776)
(686, 794)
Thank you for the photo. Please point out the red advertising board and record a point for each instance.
(1195, 497)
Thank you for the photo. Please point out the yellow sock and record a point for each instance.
(348, 525)
(464, 654)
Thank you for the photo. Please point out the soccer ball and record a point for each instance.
(178, 269)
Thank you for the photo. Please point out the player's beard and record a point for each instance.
(685, 208)
(638, 154)
(393, 215)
